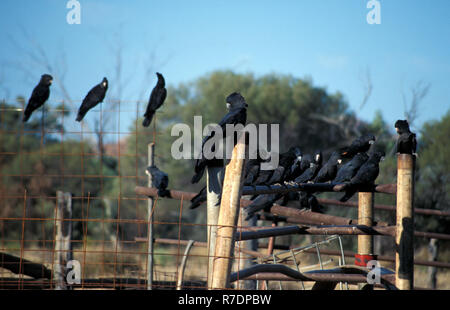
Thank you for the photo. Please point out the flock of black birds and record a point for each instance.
(353, 165)
(359, 169)
(97, 94)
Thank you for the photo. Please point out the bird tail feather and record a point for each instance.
(80, 116)
(197, 177)
(26, 116)
(195, 202)
(348, 194)
(147, 120)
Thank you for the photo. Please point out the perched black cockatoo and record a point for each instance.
(160, 180)
(361, 144)
(237, 114)
(366, 175)
(261, 202)
(94, 97)
(39, 96)
(157, 97)
(349, 169)
(306, 161)
(329, 170)
(280, 174)
(288, 161)
(406, 142)
(296, 168)
(251, 170)
(310, 173)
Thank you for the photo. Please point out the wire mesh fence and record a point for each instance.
(96, 165)
(99, 168)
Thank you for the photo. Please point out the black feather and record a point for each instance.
(366, 175)
(38, 97)
(237, 115)
(160, 180)
(94, 97)
(156, 100)
(406, 142)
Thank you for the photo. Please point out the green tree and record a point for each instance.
(296, 104)
(433, 174)
(35, 162)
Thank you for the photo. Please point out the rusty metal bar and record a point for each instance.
(183, 264)
(315, 187)
(333, 202)
(178, 194)
(318, 230)
(310, 251)
(188, 195)
(284, 273)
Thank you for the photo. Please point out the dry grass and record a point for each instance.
(102, 262)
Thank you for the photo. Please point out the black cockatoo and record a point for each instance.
(157, 97)
(349, 169)
(361, 144)
(94, 97)
(160, 180)
(39, 96)
(366, 175)
(237, 114)
(406, 142)
(310, 173)
(329, 170)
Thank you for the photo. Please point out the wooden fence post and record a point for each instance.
(433, 249)
(63, 242)
(245, 260)
(228, 215)
(151, 160)
(365, 217)
(213, 193)
(404, 238)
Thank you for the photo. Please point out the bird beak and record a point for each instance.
(228, 105)
(317, 157)
(311, 165)
(382, 158)
(51, 81)
(339, 161)
(299, 158)
(371, 142)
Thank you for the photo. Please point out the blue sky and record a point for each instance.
(327, 40)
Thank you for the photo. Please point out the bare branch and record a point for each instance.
(418, 93)
(35, 56)
(368, 87)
